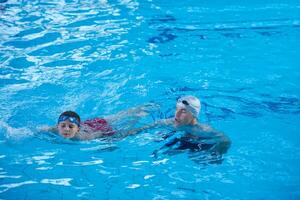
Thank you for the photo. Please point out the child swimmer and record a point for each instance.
(69, 124)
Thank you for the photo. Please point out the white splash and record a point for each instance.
(15, 133)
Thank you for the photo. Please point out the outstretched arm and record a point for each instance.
(52, 129)
(136, 112)
(159, 123)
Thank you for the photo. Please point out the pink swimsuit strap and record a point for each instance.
(98, 124)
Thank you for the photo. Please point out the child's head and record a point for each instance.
(68, 124)
(187, 110)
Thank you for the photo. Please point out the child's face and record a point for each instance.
(67, 129)
(183, 117)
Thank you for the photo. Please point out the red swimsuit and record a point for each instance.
(99, 124)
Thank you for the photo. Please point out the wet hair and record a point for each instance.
(70, 114)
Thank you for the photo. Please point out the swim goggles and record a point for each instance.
(185, 102)
(63, 118)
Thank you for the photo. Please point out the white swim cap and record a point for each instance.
(190, 103)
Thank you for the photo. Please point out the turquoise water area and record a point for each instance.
(100, 57)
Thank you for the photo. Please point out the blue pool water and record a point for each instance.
(101, 57)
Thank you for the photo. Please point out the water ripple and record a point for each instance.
(15, 185)
(99, 57)
(87, 163)
(61, 181)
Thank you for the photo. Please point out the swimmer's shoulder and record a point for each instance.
(219, 135)
(204, 127)
(205, 130)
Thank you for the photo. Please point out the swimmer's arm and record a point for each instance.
(223, 142)
(52, 129)
(138, 112)
(86, 134)
(163, 122)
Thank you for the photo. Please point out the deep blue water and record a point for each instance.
(100, 57)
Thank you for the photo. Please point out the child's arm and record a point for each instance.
(90, 135)
(52, 129)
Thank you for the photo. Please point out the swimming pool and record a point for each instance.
(100, 57)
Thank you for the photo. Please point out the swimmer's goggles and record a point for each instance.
(183, 101)
(71, 119)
